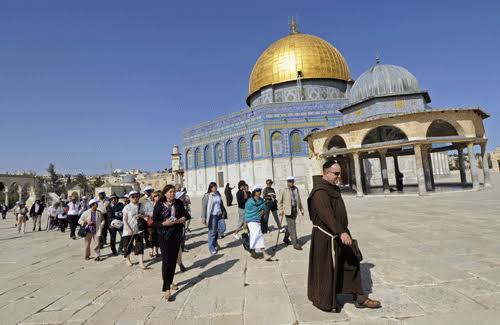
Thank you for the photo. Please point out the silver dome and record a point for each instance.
(383, 80)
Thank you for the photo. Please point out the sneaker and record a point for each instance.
(297, 247)
(213, 252)
(282, 230)
(287, 241)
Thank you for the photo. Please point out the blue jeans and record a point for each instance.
(215, 223)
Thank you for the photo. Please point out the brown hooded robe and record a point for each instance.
(325, 280)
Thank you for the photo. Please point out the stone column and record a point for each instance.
(20, 191)
(473, 166)
(431, 167)
(420, 170)
(427, 167)
(357, 172)
(383, 171)
(461, 166)
(6, 192)
(486, 166)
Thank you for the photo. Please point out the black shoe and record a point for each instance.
(115, 253)
(39, 229)
(183, 268)
(297, 247)
(287, 241)
(97, 259)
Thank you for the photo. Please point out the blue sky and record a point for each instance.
(87, 83)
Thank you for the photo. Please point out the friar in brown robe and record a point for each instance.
(333, 262)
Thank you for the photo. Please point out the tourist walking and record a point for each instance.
(114, 211)
(155, 243)
(181, 197)
(62, 218)
(334, 257)
(74, 210)
(36, 211)
(132, 236)
(255, 209)
(269, 195)
(21, 212)
(93, 222)
(53, 212)
(213, 213)
(169, 216)
(187, 205)
(228, 194)
(288, 203)
(146, 201)
(4, 209)
(241, 197)
(103, 208)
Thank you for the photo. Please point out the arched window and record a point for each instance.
(277, 143)
(337, 142)
(199, 158)
(190, 159)
(242, 149)
(219, 154)
(256, 146)
(208, 156)
(296, 143)
(230, 157)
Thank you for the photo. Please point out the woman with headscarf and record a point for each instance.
(93, 221)
(255, 208)
(169, 217)
(213, 213)
(228, 194)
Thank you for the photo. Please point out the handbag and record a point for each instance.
(82, 231)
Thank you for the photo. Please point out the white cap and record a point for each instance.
(148, 188)
(133, 193)
(178, 195)
(125, 196)
(290, 179)
(256, 187)
(93, 201)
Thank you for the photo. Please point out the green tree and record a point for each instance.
(54, 181)
(82, 181)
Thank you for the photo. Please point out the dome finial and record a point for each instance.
(377, 58)
(293, 26)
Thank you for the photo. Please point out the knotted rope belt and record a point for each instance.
(332, 238)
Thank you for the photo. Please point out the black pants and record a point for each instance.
(112, 243)
(4, 214)
(63, 223)
(104, 231)
(264, 223)
(170, 242)
(134, 242)
(73, 222)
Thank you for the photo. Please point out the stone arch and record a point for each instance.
(230, 157)
(296, 142)
(219, 154)
(207, 154)
(198, 158)
(189, 159)
(277, 143)
(441, 128)
(335, 141)
(384, 133)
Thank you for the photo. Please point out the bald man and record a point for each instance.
(334, 259)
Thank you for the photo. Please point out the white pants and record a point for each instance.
(256, 236)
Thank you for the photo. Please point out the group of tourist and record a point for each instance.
(160, 219)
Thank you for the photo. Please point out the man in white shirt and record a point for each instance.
(132, 235)
(74, 208)
(147, 203)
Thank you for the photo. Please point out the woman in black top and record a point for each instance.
(169, 216)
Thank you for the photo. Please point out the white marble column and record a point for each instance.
(427, 167)
(6, 192)
(357, 172)
(486, 166)
(383, 171)
(473, 166)
(420, 170)
(461, 166)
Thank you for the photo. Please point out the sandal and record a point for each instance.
(368, 303)
(174, 287)
(167, 296)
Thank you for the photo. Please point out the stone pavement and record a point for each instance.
(432, 260)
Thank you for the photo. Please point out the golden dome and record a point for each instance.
(313, 56)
